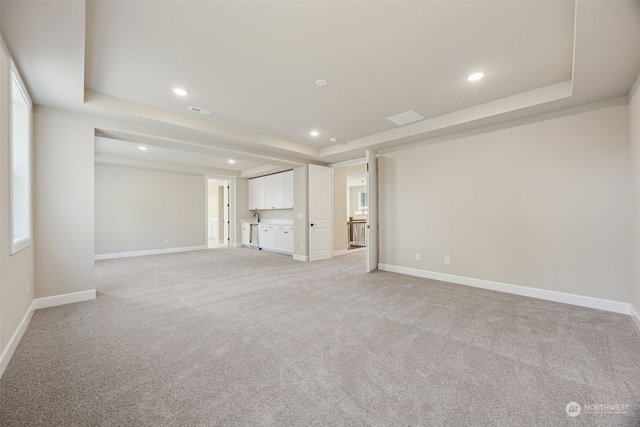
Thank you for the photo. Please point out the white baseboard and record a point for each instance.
(348, 251)
(37, 303)
(634, 316)
(64, 299)
(149, 252)
(583, 301)
(301, 258)
(5, 356)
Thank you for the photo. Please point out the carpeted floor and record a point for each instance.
(238, 337)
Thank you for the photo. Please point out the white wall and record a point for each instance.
(63, 203)
(241, 204)
(340, 211)
(544, 205)
(137, 209)
(15, 270)
(634, 137)
(301, 212)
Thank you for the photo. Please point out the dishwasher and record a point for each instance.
(253, 239)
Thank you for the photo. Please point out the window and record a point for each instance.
(20, 164)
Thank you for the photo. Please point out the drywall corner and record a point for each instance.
(63, 203)
(634, 147)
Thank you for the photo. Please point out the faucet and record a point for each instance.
(257, 213)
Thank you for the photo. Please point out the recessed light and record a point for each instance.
(231, 161)
(334, 140)
(314, 133)
(180, 92)
(147, 158)
(142, 148)
(321, 82)
(473, 77)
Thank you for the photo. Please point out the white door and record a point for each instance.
(320, 209)
(226, 213)
(372, 217)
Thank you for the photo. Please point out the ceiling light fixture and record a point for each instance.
(180, 92)
(406, 118)
(142, 148)
(321, 82)
(314, 133)
(334, 140)
(231, 161)
(199, 110)
(474, 77)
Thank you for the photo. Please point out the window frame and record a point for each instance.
(21, 243)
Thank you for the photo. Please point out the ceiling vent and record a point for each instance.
(405, 118)
(199, 111)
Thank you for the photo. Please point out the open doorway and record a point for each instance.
(350, 208)
(217, 213)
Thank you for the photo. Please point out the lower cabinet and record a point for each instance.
(276, 238)
(245, 234)
(267, 236)
(284, 239)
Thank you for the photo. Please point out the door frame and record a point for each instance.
(231, 235)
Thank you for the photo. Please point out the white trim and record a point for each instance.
(149, 252)
(303, 258)
(351, 162)
(634, 316)
(583, 301)
(64, 299)
(5, 356)
(37, 303)
(348, 251)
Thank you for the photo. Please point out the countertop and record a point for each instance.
(268, 221)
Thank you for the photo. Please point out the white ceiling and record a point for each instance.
(254, 65)
(106, 148)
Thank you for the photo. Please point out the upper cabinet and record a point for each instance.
(271, 191)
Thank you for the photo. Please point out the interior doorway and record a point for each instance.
(350, 207)
(218, 206)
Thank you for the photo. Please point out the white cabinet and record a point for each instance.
(271, 192)
(278, 186)
(256, 194)
(245, 234)
(267, 237)
(284, 239)
(277, 238)
(287, 183)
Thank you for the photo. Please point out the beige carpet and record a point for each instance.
(238, 337)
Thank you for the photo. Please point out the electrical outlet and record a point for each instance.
(300, 216)
(417, 257)
(166, 240)
(301, 246)
(286, 215)
(447, 260)
(28, 288)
